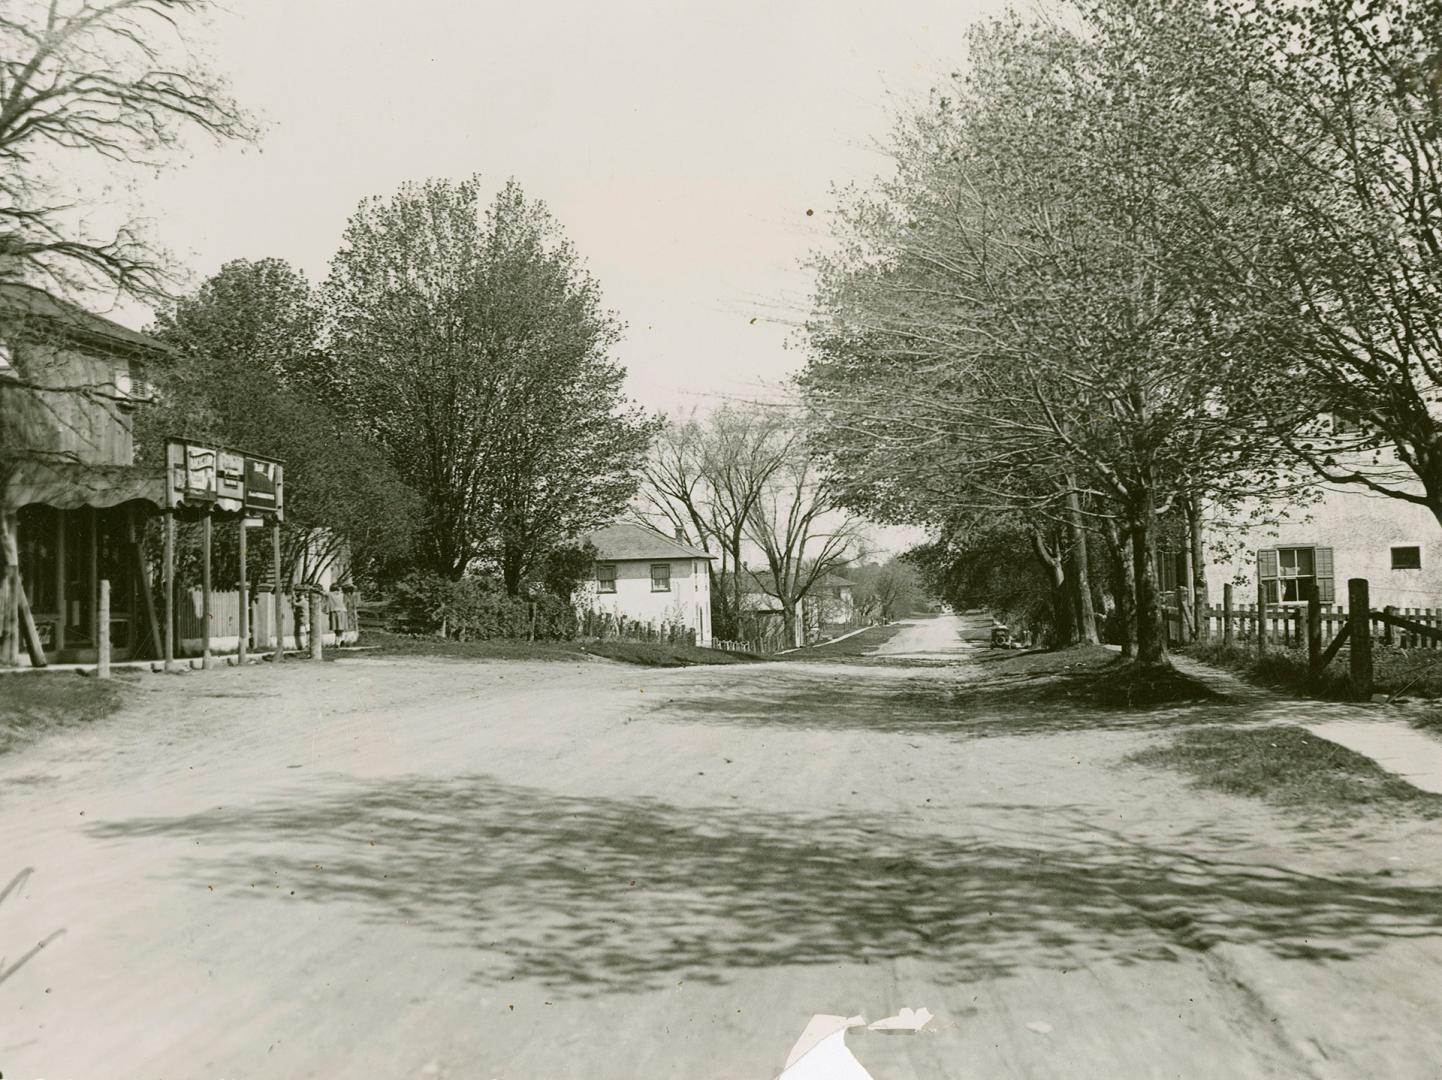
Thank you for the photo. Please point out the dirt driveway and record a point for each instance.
(535, 871)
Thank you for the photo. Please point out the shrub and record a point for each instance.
(476, 609)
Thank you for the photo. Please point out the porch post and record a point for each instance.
(169, 575)
(243, 649)
(276, 596)
(205, 529)
(93, 583)
(10, 590)
(62, 599)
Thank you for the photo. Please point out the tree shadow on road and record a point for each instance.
(593, 895)
(1029, 703)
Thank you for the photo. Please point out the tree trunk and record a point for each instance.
(1080, 573)
(1119, 541)
(1063, 608)
(1151, 627)
(793, 634)
(1200, 598)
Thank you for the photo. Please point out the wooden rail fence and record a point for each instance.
(1323, 629)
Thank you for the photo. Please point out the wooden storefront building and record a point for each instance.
(72, 501)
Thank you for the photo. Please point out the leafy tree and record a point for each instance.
(245, 345)
(802, 529)
(1330, 112)
(1004, 330)
(565, 567)
(470, 343)
(886, 591)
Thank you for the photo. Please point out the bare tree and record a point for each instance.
(802, 529)
(95, 81)
(705, 476)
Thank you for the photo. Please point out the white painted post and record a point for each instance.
(317, 623)
(102, 666)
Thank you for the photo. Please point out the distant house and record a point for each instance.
(828, 603)
(833, 598)
(648, 577)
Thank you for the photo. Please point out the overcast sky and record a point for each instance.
(679, 145)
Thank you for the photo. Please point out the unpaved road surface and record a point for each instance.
(535, 871)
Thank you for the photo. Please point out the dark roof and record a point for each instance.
(74, 321)
(617, 543)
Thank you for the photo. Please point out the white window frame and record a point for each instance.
(662, 588)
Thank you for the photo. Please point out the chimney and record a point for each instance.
(681, 534)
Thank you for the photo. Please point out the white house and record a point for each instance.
(1349, 533)
(649, 577)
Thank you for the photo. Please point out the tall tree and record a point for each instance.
(245, 349)
(1003, 329)
(471, 343)
(1330, 113)
(802, 529)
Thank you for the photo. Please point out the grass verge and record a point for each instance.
(1290, 767)
(33, 704)
(644, 653)
(1091, 676)
(1415, 673)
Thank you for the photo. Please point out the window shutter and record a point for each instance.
(1267, 562)
(1326, 577)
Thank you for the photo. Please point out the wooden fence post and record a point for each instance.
(169, 575)
(1228, 633)
(1261, 617)
(206, 525)
(277, 597)
(102, 637)
(1387, 638)
(1314, 631)
(242, 651)
(1359, 615)
(1184, 617)
(317, 625)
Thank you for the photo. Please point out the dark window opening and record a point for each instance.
(1406, 558)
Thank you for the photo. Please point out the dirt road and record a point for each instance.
(535, 871)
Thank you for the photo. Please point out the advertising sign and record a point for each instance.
(198, 474)
(264, 486)
(230, 477)
(192, 472)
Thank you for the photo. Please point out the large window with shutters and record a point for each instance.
(1289, 574)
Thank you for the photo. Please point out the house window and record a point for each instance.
(1288, 575)
(661, 577)
(1406, 558)
(605, 577)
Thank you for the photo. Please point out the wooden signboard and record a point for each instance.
(198, 474)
